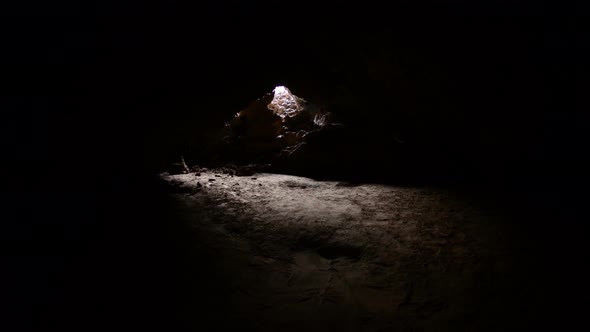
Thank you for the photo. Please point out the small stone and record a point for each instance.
(211, 180)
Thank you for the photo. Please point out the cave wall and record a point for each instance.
(469, 92)
(486, 88)
(93, 93)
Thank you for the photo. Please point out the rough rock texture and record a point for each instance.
(295, 254)
(179, 167)
(285, 104)
(276, 128)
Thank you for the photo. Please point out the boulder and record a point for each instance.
(269, 126)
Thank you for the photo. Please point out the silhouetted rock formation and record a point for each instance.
(279, 128)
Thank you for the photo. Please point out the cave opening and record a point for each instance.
(420, 171)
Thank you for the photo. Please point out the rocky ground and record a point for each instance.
(291, 253)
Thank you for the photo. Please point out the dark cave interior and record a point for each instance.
(102, 97)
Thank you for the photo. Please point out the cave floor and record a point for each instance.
(292, 254)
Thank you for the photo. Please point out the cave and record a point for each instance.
(282, 166)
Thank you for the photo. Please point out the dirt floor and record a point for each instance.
(295, 254)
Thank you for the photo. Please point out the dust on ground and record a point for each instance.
(299, 254)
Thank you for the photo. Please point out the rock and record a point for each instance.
(244, 171)
(179, 187)
(285, 104)
(179, 167)
(256, 121)
(290, 138)
(270, 124)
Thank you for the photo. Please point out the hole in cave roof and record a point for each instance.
(284, 102)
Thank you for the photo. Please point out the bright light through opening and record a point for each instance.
(280, 90)
(284, 102)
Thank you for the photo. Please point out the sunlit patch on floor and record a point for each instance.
(367, 250)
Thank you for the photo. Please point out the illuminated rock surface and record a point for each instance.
(297, 254)
(270, 129)
(284, 103)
